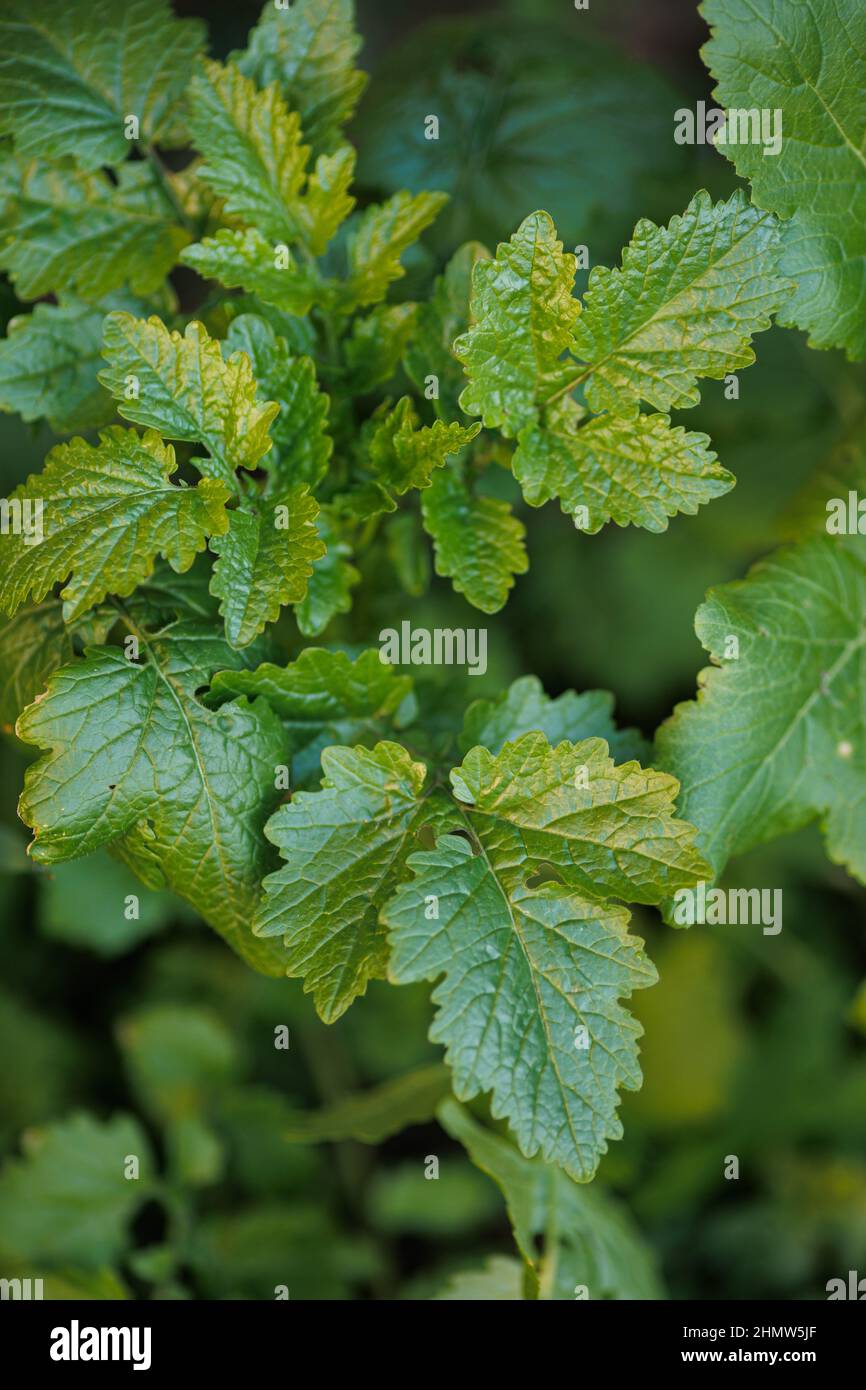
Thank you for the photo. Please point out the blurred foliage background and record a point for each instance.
(755, 1045)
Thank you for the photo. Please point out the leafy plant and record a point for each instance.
(292, 431)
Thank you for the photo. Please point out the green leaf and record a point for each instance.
(134, 761)
(635, 472)
(374, 247)
(178, 1058)
(376, 344)
(68, 1199)
(377, 242)
(524, 707)
(478, 542)
(500, 1280)
(84, 903)
(70, 77)
(265, 561)
(247, 260)
(329, 591)
(322, 698)
(34, 643)
(345, 849)
(255, 161)
(529, 1005)
(524, 320)
(107, 512)
(588, 1239)
(776, 737)
(68, 230)
(807, 60)
(48, 365)
(309, 48)
(404, 455)
(302, 445)
(374, 1115)
(182, 387)
(445, 315)
(684, 305)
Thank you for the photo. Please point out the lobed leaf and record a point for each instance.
(345, 849)
(265, 561)
(635, 472)
(106, 513)
(309, 48)
(71, 76)
(82, 232)
(776, 737)
(182, 387)
(48, 367)
(478, 542)
(133, 760)
(302, 445)
(322, 698)
(805, 59)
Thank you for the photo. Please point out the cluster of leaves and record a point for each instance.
(265, 452)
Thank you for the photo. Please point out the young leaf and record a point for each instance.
(71, 76)
(635, 472)
(48, 365)
(265, 560)
(684, 305)
(106, 513)
(345, 849)
(182, 387)
(524, 320)
(776, 736)
(247, 260)
(67, 1199)
(404, 455)
(524, 707)
(309, 48)
(67, 230)
(256, 162)
(806, 60)
(322, 698)
(376, 244)
(302, 445)
(587, 1237)
(135, 761)
(529, 1005)
(478, 542)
